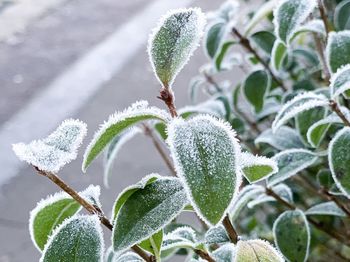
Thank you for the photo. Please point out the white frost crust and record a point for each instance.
(249, 160)
(139, 185)
(201, 22)
(330, 156)
(341, 73)
(312, 4)
(233, 137)
(108, 163)
(91, 190)
(326, 208)
(265, 243)
(127, 255)
(331, 37)
(289, 174)
(139, 108)
(174, 235)
(90, 219)
(55, 151)
(307, 229)
(290, 110)
(314, 26)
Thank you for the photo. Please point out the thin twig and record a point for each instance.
(246, 44)
(336, 201)
(323, 14)
(89, 207)
(335, 107)
(320, 50)
(211, 81)
(204, 255)
(158, 146)
(230, 229)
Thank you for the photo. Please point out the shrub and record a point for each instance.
(267, 157)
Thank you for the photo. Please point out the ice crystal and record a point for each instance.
(173, 41)
(300, 103)
(55, 151)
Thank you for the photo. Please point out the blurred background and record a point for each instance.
(81, 59)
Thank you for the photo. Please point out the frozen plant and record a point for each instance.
(262, 164)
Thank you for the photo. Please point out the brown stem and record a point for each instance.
(204, 255)
(246, 44)
(335, 107)
(89, 207)
(324, 16)
(320, 50)
(158, 146)
(211, 81)
(318, 225)
(230, 229)
(168, 97)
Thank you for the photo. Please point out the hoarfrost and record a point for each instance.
(113, 149)
(340, 81)
(281, 190)
(326, 208)
(180, 237)
(302, 102)
(216, 235)
(129, 257)
(78, 238)
(173, 42)
(117, 123)
(338, 50)
(224, 253)
(313, 26)
(55, 151)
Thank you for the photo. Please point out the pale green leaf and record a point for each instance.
(264, 40)
(279, 53)
(221, 54)
(153, 244)
(225, 253)
(216, 235)
(340, 81)
(282, 190)
(326, 209)
(313, 26)
(342, 15)
(128, 257)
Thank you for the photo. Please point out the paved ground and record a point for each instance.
(29, 62)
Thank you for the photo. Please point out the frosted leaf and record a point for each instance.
(153, 244)
(147, 211)
(255, 88)
(53, 210)
(327, 208)
(216, 235)
(113, 149)
(256, 251)
(289, 15)
(205, 152)
(244, 196)
(261, 13)
(314, 26)
(284, 138)
(278, 55)
(257, 168)
(292, 235)
(338, 50)
(300, 103)
(271, 106)
(281, 190)
(214, 37)
(224, 253)
(194, 86)
(340, 81)
(182, 237)
(119, 122)
(210, 107)
(78, 238)
(222, 64)
(290, 162)
(55, 151)
(341, 16)
(263, 40)
(173, 42)
(339, 160)
(128, 257)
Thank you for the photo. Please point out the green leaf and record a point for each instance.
(216, 235)
(339, 160)
(78, 238)
(300, 103)
(327, 208)
(289, 15)
(279, 54)
(264, 40)
(225, 253)
(153, 244)
(147, 211)
(194, 85)
(173, 42)
(160, 127)
(205, 152)
(255, 88)
(338, 50)
(181, 237)
(257, 168)
(340, 81)
(52, 211)
(119, 122)
(306, 119)
(292, 235)
(290, 162)
(221, 54)
(256, 251)
(342, 16)
(113, 149)
(282, 190)
(284, 138)
(210, 107)
(214, 38)
(314, 26)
